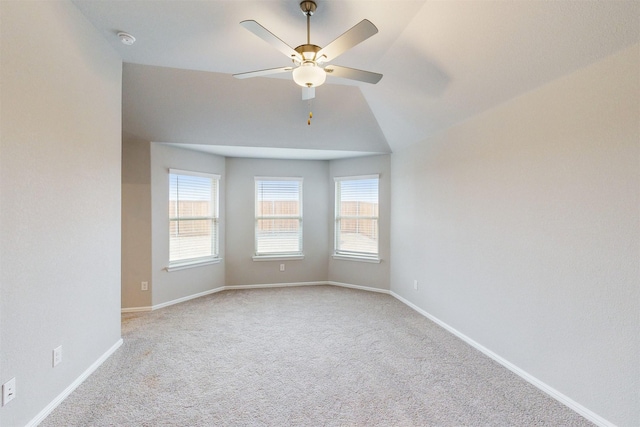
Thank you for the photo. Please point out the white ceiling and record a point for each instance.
(443, 62)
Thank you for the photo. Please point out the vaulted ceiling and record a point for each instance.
(443, 62)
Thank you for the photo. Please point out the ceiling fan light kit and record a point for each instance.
(308, 59)
(309, 75)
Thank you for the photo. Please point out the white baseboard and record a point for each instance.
(187, 298)
(565, 400)
(135, 309)
(321, 283)
(62, 396)
(274, 285)
(360, 287)
(256, 286)
(172, 302)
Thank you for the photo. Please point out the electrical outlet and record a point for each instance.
(281, 267)
(144, 286)
(415, 285)
(8, 391)
(57, 355)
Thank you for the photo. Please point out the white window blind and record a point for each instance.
(356, 216)
(278, 228)
(193, 217)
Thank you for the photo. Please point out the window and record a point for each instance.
(356, 227)
(278, 228)
(193, 218)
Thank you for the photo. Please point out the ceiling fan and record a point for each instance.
(309, 69)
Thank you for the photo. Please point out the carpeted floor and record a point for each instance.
(305, 356)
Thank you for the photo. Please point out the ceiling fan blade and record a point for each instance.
(260, 73)
(270, 38)
(355, 35)
(353, 74)
(308, 93)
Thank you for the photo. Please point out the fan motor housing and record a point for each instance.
(305, 49)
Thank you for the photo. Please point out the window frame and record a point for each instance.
(283, 255)
(354, 255)
(214, 217)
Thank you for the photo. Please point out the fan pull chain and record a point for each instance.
(310, 115)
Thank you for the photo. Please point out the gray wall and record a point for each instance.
(145, 232)
(170, 286)
(241, 269)
(59, 200)
(358, 272)
(521, 226)
(136, 221)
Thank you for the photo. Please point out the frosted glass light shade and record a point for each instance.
(309, 75)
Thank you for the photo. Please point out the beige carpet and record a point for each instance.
(306, 356)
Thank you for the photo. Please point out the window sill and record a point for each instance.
(192, 264)
(356, 258)
(277, 257)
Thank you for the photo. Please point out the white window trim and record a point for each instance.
(360, 258)
(193, 263)
(345, 255)
(283, 256)
(195, 173)
(199, 262)
(356, 177)
(277, 257)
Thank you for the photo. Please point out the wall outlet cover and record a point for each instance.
(8, 391)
